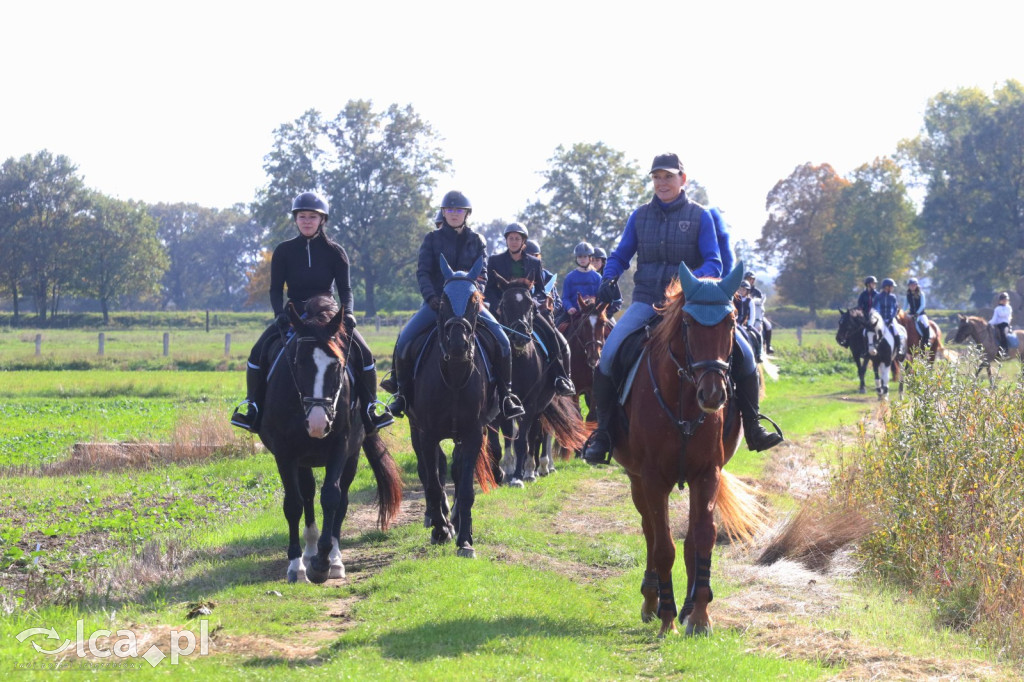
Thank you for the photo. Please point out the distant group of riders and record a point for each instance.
(887, 305)
(668, 230)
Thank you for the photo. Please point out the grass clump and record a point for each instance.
(942, 478)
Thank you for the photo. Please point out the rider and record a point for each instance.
(669, 229)
(598, 261)
(766, 325)
(309, 264)
(1002, 316)
(888, 306)
(582, 280)
(514, 263)
(461, 247)
(866, 300)
(915, 309)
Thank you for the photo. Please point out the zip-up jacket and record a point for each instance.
(461, 252)
(309, 267)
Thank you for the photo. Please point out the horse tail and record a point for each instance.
(389, 479)
(484, 475)
(562, 420)
(742, 514)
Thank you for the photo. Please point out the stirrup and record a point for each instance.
(380, 419)
(389, 383)
(595, 453)
(564, 386)
(511, 408)
(397, 406)
(764, 432)
(246, 420)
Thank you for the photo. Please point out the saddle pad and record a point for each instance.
(1011, 339)
(630, 376)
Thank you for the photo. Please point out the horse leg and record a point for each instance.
(494, 452)
(431, 467)
(878, 381)
(307, 487)
(862, 369)
(469, 450)
(883, 391)
(292, 513)
(649, 586)
(331, 506)
(336, 567)
(700, 541)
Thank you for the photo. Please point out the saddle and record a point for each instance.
(488, 346)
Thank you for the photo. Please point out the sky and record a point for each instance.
(169, 102)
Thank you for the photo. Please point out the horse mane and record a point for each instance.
(520, 282)
(320, 310)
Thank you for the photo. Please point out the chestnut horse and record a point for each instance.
(935, 348)
(682, 429)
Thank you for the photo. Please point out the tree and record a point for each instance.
(971, 159)
(43, 196)
(119, 253)
(590, 191)
(210, 254)
(876, 231)
(378, 170)
(801, 218)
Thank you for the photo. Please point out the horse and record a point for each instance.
(531, 382)
(984, 335)
(935, 349)
(586, 332)
(680, 425)
(851, 335)
(453, 397)
(311, 420)
(880, 350)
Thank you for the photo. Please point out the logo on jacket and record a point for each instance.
(684, 225)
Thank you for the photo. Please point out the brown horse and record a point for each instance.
(585, 331)
(682, 429)
(983, 334)
(935, 348)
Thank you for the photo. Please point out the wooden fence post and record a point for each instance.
(39, 344)
(103, 343)
(378, 323)
(167, 343)
(227, 344)
(799, 336)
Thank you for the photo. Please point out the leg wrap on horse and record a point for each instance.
(702, 576)
(650, 581)
(666, 599)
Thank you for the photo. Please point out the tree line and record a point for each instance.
(64, 246)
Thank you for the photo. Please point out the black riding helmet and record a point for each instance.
(871, 279)
(532, 248)
(311, 201)
(456, 199)
(517, 227)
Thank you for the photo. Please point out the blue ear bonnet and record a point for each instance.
(709, 301)
(459, 286)
(550, 286)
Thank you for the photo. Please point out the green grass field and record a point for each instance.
(548, 597)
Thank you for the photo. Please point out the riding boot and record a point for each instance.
(366, 388)
(255, 389)
(511, 406)
(390, 384)
(398, 404)
(748, 391)
(598, 449)
(563, 384)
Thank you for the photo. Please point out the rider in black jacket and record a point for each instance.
(309, 264)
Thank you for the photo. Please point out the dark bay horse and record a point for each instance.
(586, 331)
(851, 335)
(983, 335)
(453, 398)
(531, 381)
(311, 420)
(683, 427)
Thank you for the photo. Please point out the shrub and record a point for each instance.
(942, 478)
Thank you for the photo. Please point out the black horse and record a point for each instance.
(311, 420)
(453, 398)
(851, 335)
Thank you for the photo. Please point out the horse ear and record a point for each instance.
(501, 281)
(477, 268)
(335, 324)
(731, 282)
(687, 281)
(293, 315)
(580, 305)
(446, 270)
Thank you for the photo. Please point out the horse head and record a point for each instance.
(516, 309)
(707, 321)
(591, 325)
(845, 327)
(874, 327)
(963, 328)
(460, 307)
(317, 362)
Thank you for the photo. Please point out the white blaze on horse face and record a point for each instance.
(316, 422)
(593, 322)
(519, 297)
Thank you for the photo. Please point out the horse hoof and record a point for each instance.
(646, 616)
(441, 536)
(467, 552)
(862, 390)
(337, 571)
(515, 482)
(529, 478)
(697, 630)
(293, 576)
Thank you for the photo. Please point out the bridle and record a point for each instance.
(522, 327)
(329, 404)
